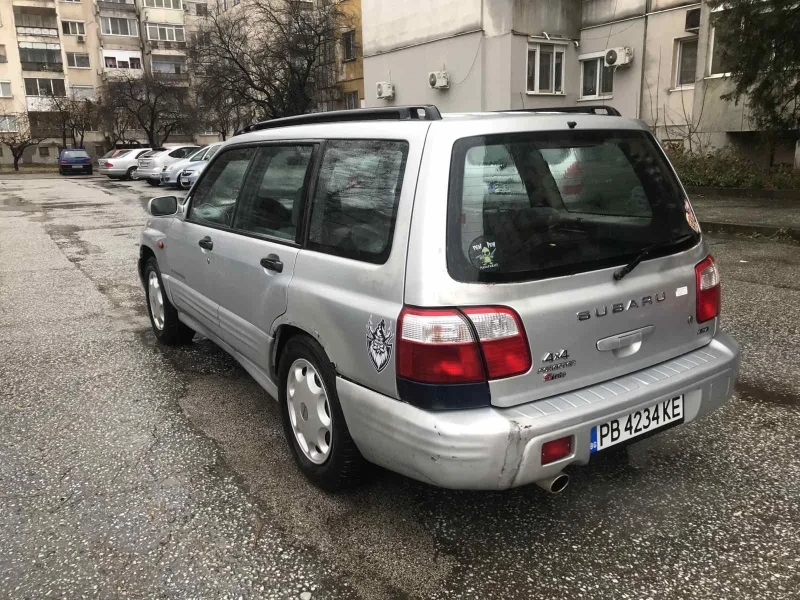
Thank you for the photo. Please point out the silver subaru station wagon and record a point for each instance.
(475, 301)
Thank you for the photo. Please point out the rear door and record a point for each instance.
(541, 221)
(254, 263)
(193, 242)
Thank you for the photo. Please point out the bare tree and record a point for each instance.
(269, 54)
(158, 107)
(222, 113)
(115, 122)
(83, 118)
(21, 137)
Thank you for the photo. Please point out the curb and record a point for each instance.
(744, 193)
(761, 230)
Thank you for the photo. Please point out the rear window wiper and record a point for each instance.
(647, 251)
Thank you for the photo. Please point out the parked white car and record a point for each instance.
(121, 164)
(170, 174)
(150, 167)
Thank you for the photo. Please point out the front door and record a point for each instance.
(193, 242)
(254, 262)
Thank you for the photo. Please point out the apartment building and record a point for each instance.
(71, 47)
(349, 58)
(469, 55)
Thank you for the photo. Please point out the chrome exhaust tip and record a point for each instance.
(555, 483)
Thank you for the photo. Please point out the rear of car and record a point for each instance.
(74, 161)
(170, 175)
(522, 346)
(150, 167)
(121, 163)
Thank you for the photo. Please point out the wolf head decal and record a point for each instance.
(379, 344)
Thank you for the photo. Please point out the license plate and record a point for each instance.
(637, 423)
(77, 166)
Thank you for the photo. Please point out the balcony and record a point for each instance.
(155, 45)
(39, 104)
(115, 73)
(172, 77)
(40, 66)
(38, 31)
(118, 6)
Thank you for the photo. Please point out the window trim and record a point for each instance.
(352, 34)
(69, 66)
(64, 21)
(145, 5)
(536, 47)
(10, 90)
(582, 58)
(119, 34)
(676, 84)
(710, 53)
(174, 28)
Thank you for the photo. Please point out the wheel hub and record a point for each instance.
(156, 300)
(309, 411)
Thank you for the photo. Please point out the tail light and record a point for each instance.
(556, 449)
(108, 165)
(440, 345)
(709, 299)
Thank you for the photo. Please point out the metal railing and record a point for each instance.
(40, 66)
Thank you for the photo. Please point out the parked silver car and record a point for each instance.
(150, 166)
(423, 293)
(121, 164)
(170, 174)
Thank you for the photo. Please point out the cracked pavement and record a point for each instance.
(130, 470)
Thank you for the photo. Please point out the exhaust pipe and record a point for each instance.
(555, 483)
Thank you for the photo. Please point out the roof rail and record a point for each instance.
(423, 112)
(591, 109)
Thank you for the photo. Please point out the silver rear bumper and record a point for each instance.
(498, 448)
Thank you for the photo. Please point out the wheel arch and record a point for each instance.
(283, 333)
(145, 253)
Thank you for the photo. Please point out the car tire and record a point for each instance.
(129, 174)
(332, 461)
(153, 182)
(168, 328)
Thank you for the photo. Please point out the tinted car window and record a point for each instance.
(74, 154)
(215, 195)
(534, 205)
(211, 152)
(272, 203)
(355, 203)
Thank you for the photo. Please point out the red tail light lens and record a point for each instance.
(437, 346)
(709, 299)
(502, 339)
(556, 449)
(108, 164)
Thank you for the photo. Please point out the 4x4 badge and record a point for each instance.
(551, 356)
(379, 344)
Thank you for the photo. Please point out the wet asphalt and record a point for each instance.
(128, 470)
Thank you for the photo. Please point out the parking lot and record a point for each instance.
(134, 471)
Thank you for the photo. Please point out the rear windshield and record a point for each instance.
(75, 154)
(535, 205)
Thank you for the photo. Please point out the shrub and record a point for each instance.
(728, 169)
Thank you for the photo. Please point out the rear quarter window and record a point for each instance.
(355, 203)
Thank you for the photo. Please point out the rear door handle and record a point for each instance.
(206, 243)
(622, 340)
(273, 263)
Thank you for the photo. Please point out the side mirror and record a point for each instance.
(163, 206)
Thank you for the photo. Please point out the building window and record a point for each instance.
(717, 65)
(115, 26)
(686, 63)
(3, 57)
(597, 80)
(5, 89)
(40, 56)
(72, 28)
(165, 33)
(44, 151)
(349, 45)
(73, 1)
(82, 92)
(546, 69)
(168, 64)
(8, 123)
(78, 60)
(351, 100)
(44, 87)
(175, 4)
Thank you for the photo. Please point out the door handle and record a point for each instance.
(206, 243)
(273, 263)
(623, 340)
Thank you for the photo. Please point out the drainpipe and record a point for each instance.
(644, 55)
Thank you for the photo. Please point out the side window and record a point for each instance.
(211, 152)
(355, 204)
(177, 153)
(215, 195)
(272, 202)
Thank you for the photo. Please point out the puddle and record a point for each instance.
(759, 394)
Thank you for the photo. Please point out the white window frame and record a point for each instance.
(10, 93)
(72, 89)
(583, 58)
(676, 82)
(169, 26)
(152, 4)
(7, 119)
(86, 54)
(71, 23)
(558, 47)
(711, 47)
(71, 1)
(104, 20)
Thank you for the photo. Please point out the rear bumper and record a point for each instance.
(169, 178)
(494, 448)
(114, 171)
(149, 173)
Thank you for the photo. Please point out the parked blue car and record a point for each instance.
(74, 161)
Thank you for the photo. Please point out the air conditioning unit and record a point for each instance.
(438, 80)
(385, 90)
(81, 39)
(619, 57)
(693, 20)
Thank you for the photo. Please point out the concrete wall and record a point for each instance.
(596, 12)
(532, 17)
(626, 96)
(518, 96)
